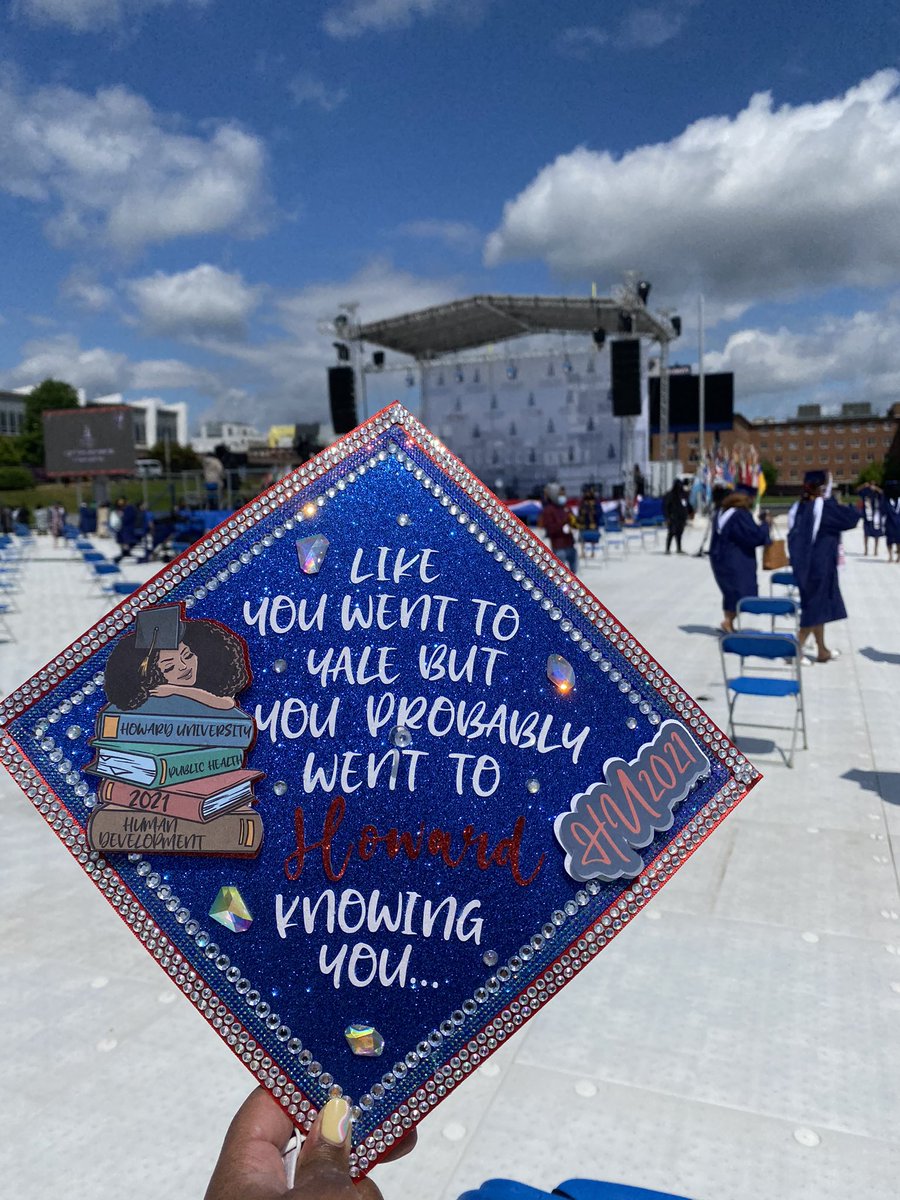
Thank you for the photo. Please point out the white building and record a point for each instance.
(154, 420)
(238, 438)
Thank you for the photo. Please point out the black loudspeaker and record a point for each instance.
(342, 397)
(625, 365)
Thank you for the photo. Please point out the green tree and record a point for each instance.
(10, 452)
(52, 393)
(873, 473)
(180, 458)
(770, 473)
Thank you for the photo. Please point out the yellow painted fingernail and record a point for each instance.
(335, 1121)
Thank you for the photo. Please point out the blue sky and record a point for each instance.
(188, 186)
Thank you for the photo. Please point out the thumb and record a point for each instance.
(323, 1165)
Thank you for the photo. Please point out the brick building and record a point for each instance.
(844, 444)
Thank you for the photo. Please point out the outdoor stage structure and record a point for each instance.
(567, 404)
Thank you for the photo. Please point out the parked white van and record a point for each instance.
(148, 468)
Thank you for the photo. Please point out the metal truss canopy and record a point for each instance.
(482, 320)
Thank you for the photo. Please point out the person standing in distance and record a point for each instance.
(815, 525)
(732, 550)
(559, 527)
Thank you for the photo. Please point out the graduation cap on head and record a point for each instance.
(158, 629)
(745, 489)
(815, 478)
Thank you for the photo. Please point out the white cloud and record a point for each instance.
(379, 289)
(286, 374)
(769, 203)
(110, 169)
(453, 233)
(648, 27)
(195, 303)
(100, 371)
(306, 88)
(89, 16)
(86, 293)
(279, 379)
(164, 374)
(350, 18)
(581, 41)
(840, 358)
(97, 370)
(644, 27)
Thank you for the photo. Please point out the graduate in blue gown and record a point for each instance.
(815, 525)
(873, 504)
(892, 518)
(732, 550)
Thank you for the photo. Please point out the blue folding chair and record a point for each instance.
(781, 680)
(104, 574)
(772, 607)
(591, 542)
(121, 587)
(649, 527)
(782, 579)
(613, 534)
(6, 632)
(571, 1189)
(634, 533)
(590, 1189)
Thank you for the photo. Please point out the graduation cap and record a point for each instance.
(815, 479)
(562, 883)
(745, 489)
(159, 628)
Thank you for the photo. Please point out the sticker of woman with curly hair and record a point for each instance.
(167, 656)
(171, 743)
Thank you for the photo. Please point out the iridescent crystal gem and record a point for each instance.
(403, 518)
(401, 737)
(279, 666)
(533, 786)
(560, 673)
(311, 552)
(364, 1040)
(490, 958)
(229, 910)
(279, 787)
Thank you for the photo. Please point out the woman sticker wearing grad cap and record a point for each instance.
(170, 656)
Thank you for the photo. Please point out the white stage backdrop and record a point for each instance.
(519, 424)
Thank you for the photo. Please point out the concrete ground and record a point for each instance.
(740, 1040)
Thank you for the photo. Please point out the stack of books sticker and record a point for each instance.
(173, 781)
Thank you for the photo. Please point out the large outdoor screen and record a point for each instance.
(684, 402)
(89, 441)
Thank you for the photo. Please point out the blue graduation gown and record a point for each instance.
(892, 522)
(873, 512)
(732, 556)
(814, 561)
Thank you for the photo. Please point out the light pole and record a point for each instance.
(701, 383)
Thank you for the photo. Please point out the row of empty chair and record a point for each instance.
(14, 551)
(105, 575)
